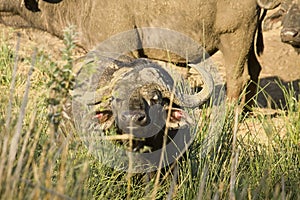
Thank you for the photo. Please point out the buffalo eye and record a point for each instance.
(156, 98)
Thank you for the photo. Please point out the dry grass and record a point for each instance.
(37, 162)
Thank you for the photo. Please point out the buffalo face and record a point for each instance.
(145, 106)
(138, 104)
(290, 32)
(289, 16)
(146, 118)
(137, 97)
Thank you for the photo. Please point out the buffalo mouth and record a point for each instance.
(295, 43)
(297, 48)
(148, 129)
(149, 136)
(291, 36)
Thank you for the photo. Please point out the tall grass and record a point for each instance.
(36, 164)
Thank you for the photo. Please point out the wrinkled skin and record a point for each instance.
(225, 25)
(289, 15)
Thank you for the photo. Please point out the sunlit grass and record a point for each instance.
(39, 163)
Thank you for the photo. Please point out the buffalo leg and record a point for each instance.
(235, 48)
(254, 69)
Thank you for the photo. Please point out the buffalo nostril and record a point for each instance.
(139, 119)
(125, 116)
(289, 33)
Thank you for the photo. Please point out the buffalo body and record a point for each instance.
(226, 25)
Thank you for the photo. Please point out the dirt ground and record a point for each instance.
(279, 63)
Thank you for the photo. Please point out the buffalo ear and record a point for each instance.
(32, 5)
(179, 119)
(105, 119)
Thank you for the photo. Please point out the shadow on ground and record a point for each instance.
(273, 92)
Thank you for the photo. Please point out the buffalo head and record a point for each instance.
(289, 15)
(290, 32)
(141, 98)
(147, 101)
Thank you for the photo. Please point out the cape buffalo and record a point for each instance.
(289, 15)
(136, 96)
(290, 32)
(225, 25)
